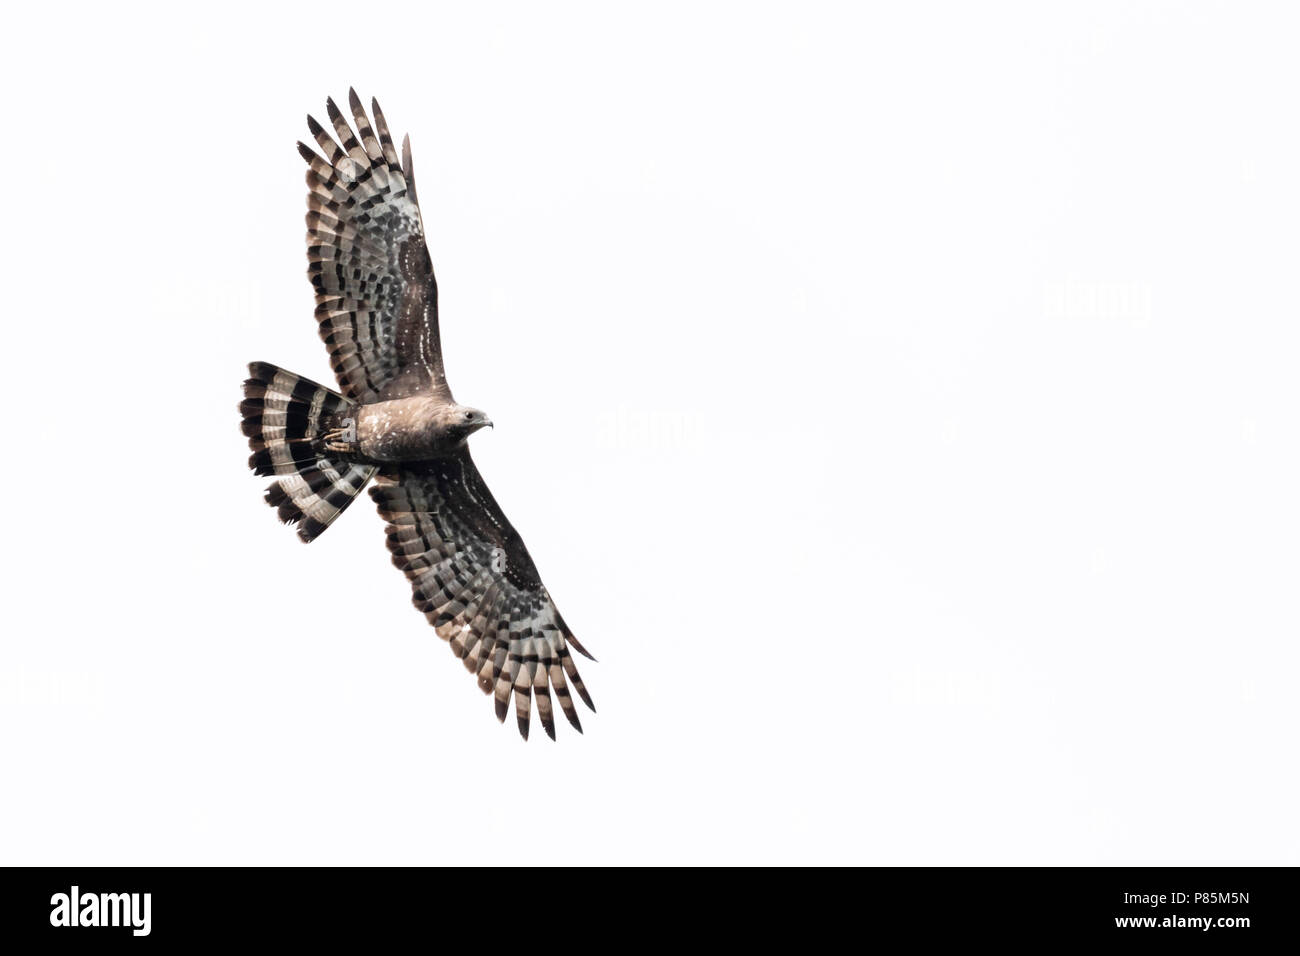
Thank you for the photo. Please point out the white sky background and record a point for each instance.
(901, 403)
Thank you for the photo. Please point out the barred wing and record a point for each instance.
(475, 582)
(376, 298)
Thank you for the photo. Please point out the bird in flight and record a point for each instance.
(395, 423)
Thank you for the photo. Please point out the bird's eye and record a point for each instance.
(469, 416)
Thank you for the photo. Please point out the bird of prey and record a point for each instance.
(394, 422)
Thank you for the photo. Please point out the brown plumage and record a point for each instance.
(397, 422)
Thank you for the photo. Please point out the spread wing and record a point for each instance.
(475, 582)
(376, 298)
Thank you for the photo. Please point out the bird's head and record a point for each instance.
(457, 422)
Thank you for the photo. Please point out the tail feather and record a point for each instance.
(284, 417)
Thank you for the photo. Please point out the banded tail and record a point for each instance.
(285, 419)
